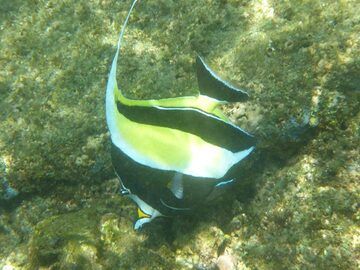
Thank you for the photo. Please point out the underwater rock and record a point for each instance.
(93, 238)
(226, 262)
(200, 248)
(66, 239)
(302, 210)
(8, 236)
(6, 191)
(79, 239)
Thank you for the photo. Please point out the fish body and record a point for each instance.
(176, 153)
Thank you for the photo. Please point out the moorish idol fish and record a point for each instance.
(174, 154)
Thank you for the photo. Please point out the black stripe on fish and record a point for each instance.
(208, 127)
(150, 184)
(210, 84)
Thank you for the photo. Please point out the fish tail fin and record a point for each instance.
(210, 84)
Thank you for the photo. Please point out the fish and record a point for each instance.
(172, 155)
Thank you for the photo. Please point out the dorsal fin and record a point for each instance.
(112, 83)
(210, 84)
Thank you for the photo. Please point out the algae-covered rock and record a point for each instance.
(51, 90)
(6, 191)
(199, 248)
(296, 205)
(305, 212)
(94, 238)
(67, 239)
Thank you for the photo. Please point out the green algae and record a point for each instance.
(297, 204)
(92, 238)
(62, 232)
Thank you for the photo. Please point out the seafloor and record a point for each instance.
(297, 203)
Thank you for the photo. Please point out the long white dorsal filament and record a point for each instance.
(124, 26)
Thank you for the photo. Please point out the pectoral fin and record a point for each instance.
(177, 186)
